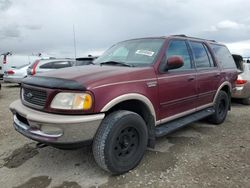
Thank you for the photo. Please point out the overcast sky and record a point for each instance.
(46, 26)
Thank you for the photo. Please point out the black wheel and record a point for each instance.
(120, 142)
(246, 101)
(221, 108)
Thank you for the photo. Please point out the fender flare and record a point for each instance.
(226, 83)
(130, 96)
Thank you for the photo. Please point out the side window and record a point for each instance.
(224, 56)
(200, 55)
(61, 64)
(210, 57)
(179, 48)
(46, 66)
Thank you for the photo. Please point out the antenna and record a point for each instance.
(74, 39)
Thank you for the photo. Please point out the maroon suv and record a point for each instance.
(136, 91)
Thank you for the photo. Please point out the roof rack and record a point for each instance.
(182, 35)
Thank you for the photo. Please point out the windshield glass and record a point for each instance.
(138, 52)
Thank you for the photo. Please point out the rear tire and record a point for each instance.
(221, 108)
(246, 101)
(120, 142)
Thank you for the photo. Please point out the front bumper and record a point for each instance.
(53, 128)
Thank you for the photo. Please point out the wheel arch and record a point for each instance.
(227, 87)
(139, 104)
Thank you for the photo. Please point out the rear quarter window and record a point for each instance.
(56, 65)
(47, 66)
(200, 55)
(223, 55)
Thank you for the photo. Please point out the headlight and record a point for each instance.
(72, 101)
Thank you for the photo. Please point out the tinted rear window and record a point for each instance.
(56, 65)
(200, 55)
(83, 62)
(224, 56)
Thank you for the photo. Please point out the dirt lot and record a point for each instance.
(201, 155)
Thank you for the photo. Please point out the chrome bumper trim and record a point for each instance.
(20, 125)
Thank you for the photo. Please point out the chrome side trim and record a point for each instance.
(130, 96)
(226, 83)
(188, 74)
(204, 106)
(176, 101)
(123, 82)
(165, 120)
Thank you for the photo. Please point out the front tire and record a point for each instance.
(221, 108)
(120, 142)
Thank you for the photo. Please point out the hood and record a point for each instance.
(89, 76)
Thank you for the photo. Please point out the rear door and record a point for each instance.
(208, 74)
(177, 88)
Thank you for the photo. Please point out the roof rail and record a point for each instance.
(182, 35)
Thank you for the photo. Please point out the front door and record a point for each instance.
(177, 88)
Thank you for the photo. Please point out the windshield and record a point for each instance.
(138, 52)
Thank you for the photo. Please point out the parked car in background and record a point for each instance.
(44, 65)
(15, 75)
(9, 61)
(85, 60)
(136, 91)
(242, 90)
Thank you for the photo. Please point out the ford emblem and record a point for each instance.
(29, 95)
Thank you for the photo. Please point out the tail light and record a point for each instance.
(10, 72)
(34, 67)
(240, 82)
(4, 59)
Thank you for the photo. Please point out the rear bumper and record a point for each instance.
(12, 79)
(241, 92)
(52, 128)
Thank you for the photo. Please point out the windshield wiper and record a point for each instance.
(116, 63)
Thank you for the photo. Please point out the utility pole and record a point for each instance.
(74, 39)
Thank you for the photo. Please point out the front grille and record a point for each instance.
(34, 96)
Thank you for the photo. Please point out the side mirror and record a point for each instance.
(174, 62)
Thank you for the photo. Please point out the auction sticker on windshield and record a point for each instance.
(145, 52)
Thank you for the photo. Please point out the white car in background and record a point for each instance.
(44, 65)
(15, 75)
(9, 61)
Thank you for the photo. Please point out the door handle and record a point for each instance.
(191, 78)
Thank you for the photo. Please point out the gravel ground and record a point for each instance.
(201, 155)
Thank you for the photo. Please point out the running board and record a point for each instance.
(172, 126)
